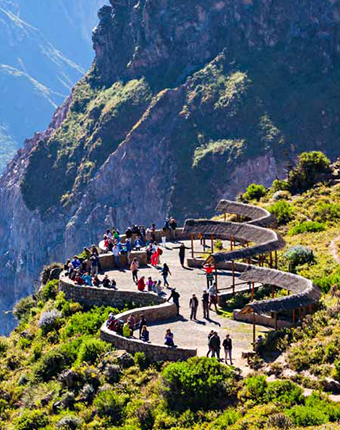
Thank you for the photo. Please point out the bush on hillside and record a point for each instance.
(312, 167)
(50, 365)
(254, 389)
(110, 405)
(283, 212)
(23, 308)
(31, 420)
(326, 212)
(90, 350)
(50, 290)
(279, 185)
(49, 320)
(279, 421)
(307, 226)
(69, 422)
(306, 416)
(284, 393)
(281, 195)
(254, 192)
(298, 255)
(325, 283)
(199, 383)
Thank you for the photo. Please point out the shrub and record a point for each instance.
(68, 422)
(281, 195)
(254, 192)
(307, 226)
(327, 282)
(197, 383)
(90, 349)
(49, 320)
(279, 421)
(31, 420)
(23, 308)
(218, 244)
(279, 185)
(310, 169)
(305, 416)
(228, 418)
(140, 360)
(53, 362)
(326, 212)
(298, 255)
(285, 393)
(254, 389)
(110, 405)
(283, 212)
(50, 290)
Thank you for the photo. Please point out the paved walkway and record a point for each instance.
(191, 334)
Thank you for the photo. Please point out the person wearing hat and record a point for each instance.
(205, 304)
(193, 304)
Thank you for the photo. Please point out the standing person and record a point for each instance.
(115, 252)
(155, 255)
(163, 235)
(94, 264)
(134, 266)
(228, 345)
(128, 233)
(215, 345)
(209, 274)
(213, 297)
(173, 226)
(205, 304)
(169, 338)
(141, 284)
(193, 304)
(153, 232)
(175, 298)
(182, 249)
(142, 323)
(209, 336)
(165, 273)
(128, 248)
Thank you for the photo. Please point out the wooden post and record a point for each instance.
(254, 331)
(300, 314)
(273, 291)
(271, 260)
(212, 243)
(216, 278)
(203, 243)
(231, 243)
(311, 308)
(294, 318)
(252, 291)
(225, 217)
(275, 320)
(275, 259)
(192, 245)
(233, 272)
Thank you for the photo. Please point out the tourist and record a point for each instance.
(213, 297)
(128, 233)
(182, 249)
(141, 284)
(142, 232)
(134, 266)
(155, 254)
(78, 280)
(127, 332)
(76, 263)
(149, 251)
(149, 284)
(175, 298)
(205, 304)
(215, 345)
(106, 282)
(96, 281)
(94, 264)
(138, 243)
(115, 252)
(227, 345)
(158, 287)
(148, 237)
(116, 236)
(141, 323)
(144, 336)
(163, 236)
(209, 336)
(169, 338)
(193, 304)
(208, 268)
(173, 226)
(132, 322)
(128, 248)
(165, 273)
(87, 278)
(153, 232)
(94, 250)
(68, 268)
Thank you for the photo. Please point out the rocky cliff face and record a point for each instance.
(185, 104)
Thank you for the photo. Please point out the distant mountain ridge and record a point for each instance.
(44, 50)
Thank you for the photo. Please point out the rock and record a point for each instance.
(69, 378)
(331, 385)
(126, 360)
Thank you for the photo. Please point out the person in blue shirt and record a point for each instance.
(75, 262)
(138, 243)
(87, 279)
(144, 336)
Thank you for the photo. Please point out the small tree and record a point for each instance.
(254, 192)
(283, 212)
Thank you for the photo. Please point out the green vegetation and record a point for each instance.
(283, 212)
(254, 192)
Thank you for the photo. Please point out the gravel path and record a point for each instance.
(192, 334)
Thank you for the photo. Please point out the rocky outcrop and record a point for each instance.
(185, 104)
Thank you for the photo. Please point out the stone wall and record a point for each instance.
(94, 296)
(154, 352)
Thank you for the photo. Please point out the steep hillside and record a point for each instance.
(39, 65)
(184, 104)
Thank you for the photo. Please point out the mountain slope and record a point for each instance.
(38, 65)
(184, 104)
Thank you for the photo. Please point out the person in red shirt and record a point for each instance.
(208, 268)
(141, 284)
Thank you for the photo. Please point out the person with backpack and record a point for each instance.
(205, 304)
(173, 226)
(193, 304)
(228, 345)
(175, 298)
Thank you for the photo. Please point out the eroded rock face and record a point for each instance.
(223, 101)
